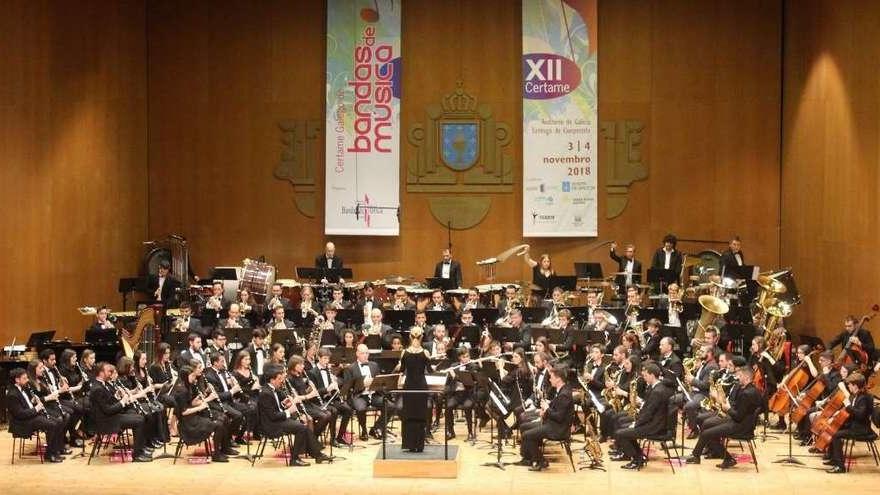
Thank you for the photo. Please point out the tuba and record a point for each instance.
(713, 307)
(774, 335)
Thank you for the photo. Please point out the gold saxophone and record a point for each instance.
(592, 447)
(609, 394)
(632, 407)
(710, 403)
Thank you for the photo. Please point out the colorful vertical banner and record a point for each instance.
(362, 190)
(560, 109)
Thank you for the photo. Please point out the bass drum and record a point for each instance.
(257, 277)
(150, 263)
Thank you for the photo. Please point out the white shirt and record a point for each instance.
(673, 318)
(329, 262)
(365, 371)
(197, 355)
(260, 360)
(161, 283)
(739, 259)
(444, 271)
(668, 262)
(629, 270)
(27, 400)
(325, 376)
(222, 381)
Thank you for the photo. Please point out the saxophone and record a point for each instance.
(711, 403)
(609, 394)
(592, 447)
(632, 407)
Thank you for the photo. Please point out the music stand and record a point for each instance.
(384, 384)
(400, 320)
(435, 317)
(662, 277)
(342, 355)
(533, 315)
(38, 339)
(579, 313)
(587, 270)
(567, 283)
(741, 272)
(440, 283)
(373, 341)
(470, 334)
(649, 313)
(484, 316)
(308, 273)
(350, 317)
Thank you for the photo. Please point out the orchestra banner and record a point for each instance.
(560, 109)
(362, 130)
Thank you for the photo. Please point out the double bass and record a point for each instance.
(849, 350)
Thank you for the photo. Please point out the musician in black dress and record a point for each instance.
(77, 392)
(542, 272)
(197, 420)
(860, 407)
(414, 365)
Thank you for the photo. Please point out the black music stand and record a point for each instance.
(567, 283)
(470, 334)
(440, 283)
(740, 272)
(579, 314)
(400, 320)
(504, 334)
(384, 384)
(240, 336)
(435, 317)
(662, 277)
(38, 339)
(484, 316)
(649, 313)
(373, 341)
(533, 315)
(350, 317)
(178, 340)
(587, 270)
(341, 356)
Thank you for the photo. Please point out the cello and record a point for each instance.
(810, 395)
(834, 404)
(828, 425)
(794, 381)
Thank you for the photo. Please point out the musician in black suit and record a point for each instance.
(651, 349)
(328, 390)
(459, 395)
(163, 287)
(102, 320)
(329, 261)
(732, 256)
(668, 257)
(27, 417)
(670, 363)
(259, 352)
(276, 297)
(376, 327)
(651, 419)
(698, 383)
(277, 418)
(227, 388)
(278, 321)
(860, 408)
(110, 412)
(448, 268)
(556, 419)
(360, 375)
(741, 418)
(854, 335)
(193, 351)
(626, 263)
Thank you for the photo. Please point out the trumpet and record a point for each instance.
(215, 303)
(676, 305)
(306, 308)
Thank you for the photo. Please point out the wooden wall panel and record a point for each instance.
(830, 159)
(703, 76)
(73, 154)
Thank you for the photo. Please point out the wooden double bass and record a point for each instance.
(849, 351)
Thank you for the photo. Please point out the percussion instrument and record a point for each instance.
(257, 277)
(291, 289)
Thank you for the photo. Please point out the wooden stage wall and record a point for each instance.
(96, 103)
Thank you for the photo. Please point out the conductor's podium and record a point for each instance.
(432, 463)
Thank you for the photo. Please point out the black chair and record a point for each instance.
(283, 440)
(667, 439)
(565, 443)
(21, 440)
(869, 441)
(106, 434)
(181, 444)
(748, 438)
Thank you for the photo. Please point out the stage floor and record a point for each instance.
(354, 475)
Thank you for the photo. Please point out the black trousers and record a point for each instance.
(714, 429)
(138, 426)
(343, 413)
(532, 437)
(459, 400)
(692, 409)
(360, 403)
(53, 428)
(836, 449)
(627, 441)
(304, 440)
(248, 412)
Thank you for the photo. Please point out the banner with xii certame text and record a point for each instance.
(362, 130)
(560, 109)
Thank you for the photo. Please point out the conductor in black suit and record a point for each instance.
(555, 421)
(668, 257)
(448, 268)
(733, 256)
(626, 263)
(329, 261)
(651, 419)
(163, 287)
(27, 417)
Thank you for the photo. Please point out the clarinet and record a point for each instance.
(35, 399)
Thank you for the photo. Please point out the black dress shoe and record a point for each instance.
(296, 461)
(363, 437)
(522, 462)
(631, 465)
(829, 462)
(692, 460)
(53, 459)
(66, 451)
(376, 434)
(240, 441)
(836, 470)
(450, 436)
(536, 467)
(814, 450)
(230, 451)
(219, 458)
(322, 458)
(727, 463)
(142, 458)
(620, 457)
